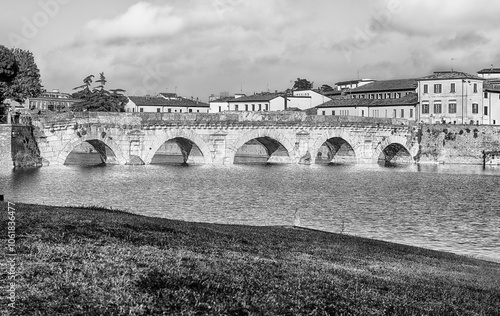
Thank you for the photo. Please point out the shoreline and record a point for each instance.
(459, 252)
(95, 260)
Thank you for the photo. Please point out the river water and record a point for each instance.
(444, 207)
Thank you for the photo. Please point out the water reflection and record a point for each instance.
(446, 207)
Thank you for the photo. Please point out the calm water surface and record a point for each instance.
(451, 208)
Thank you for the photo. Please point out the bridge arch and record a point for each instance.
(94, 140)
(335, 139)
(270, 139)
(184, 138)
(391, 147)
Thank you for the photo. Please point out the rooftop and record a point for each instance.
(159, 101)
(256, 97)
(489, 71)
(442, 75)
(387, 85)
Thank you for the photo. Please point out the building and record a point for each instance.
(491, 102)
(258, 102)
(452, 97)
(489, 73)
(404, 107)
(165, 103)
(305, 99)
(343, 87)
(47, 101)
(384, 89)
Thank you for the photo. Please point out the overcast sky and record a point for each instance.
(197, 48)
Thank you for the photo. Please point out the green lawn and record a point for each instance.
(83, 261)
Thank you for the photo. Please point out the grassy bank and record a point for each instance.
(78, 261)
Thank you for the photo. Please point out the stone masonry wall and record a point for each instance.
(18, 147)
(458, 144)
(5, 147)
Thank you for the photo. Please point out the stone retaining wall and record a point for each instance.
(18, 147)
(458, 144)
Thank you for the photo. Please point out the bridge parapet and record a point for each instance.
(224, 118)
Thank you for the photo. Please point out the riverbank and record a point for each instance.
(104, 262)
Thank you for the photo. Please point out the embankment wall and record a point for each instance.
(18, 147)
(456, 144)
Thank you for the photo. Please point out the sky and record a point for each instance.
(196, 48)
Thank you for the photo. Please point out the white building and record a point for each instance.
(404, 107)
(258, 102)
(305, 99)
(165, 103)
(452, 97)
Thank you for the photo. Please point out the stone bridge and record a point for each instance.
(135, 138)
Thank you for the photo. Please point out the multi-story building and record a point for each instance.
(384, 98)
(384, 89)
(404, 107)
(491, 102)
(165, 103)
(50, 101)
(451, 97)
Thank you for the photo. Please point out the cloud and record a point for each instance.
(462, 40)
(140, 21)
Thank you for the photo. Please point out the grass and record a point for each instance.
(86, 261)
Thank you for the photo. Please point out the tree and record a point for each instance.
(8, 65)
(98, 99)
(27, 83)
(326, 88)
(302, 84)
(8, 71)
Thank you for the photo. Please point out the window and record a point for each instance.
(437, 108)
(236, 107)
(402, 112)
(267, 107)
(260, 107)
(158, 110)
(199, 111)
(333, 112)
(426, 88)
(452, 108)
(425, 108)
(246, 107)
(437, 88)
(486, 95)
(380, 96)
(220, 108)
(485, 110)
(452, 88)
(411, 112)
(190, 110)
(253, 107)
(475, 108)
(387, 95)
(394, 113)
(169, 110)
(180, 110)
(475, 88)
(141, 110)
(324, 112)
(362, 112)
(398, 95)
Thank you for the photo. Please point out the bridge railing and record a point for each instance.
(227, 117)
